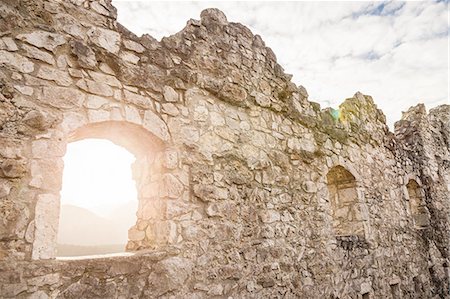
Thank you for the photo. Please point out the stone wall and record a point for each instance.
(232, 167)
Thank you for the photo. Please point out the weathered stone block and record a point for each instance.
(98, 115)
(103, 78)
(44, 148)
(5, 188)
(43, 173)
(132, 115)
(156, 125)
(16, 61)
(95, 102)
(60, 77)
(169, 275)
(171, 187)
(129, 57)
(134, 46)
(61, 97)
(170, 159)
(85, 55)
(43, 39)
(170, 109)
(105, 38)
(135, 234)
(13, 168)
(270, 216)
(170, 95)
(7, 43)
(94, 87)
(233, 93)
(35, 53)
(137, 99)
(46, 226)
(210, 192)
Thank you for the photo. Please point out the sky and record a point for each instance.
(397, 52)
(97, 176)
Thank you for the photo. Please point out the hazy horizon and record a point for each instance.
(82, 228)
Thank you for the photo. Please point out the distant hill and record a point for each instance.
(81, 230)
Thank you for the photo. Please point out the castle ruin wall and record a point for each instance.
(246, 189)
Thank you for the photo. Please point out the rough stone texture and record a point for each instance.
(240, 178)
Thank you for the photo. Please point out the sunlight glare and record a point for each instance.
(97, 176)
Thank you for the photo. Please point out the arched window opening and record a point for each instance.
(417, 205)
(149, 228)
(98, 199)
(347, 220)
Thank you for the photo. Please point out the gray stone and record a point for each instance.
(155, 125)
(39, 295)
(85, 55)
(98, 116)
(172, 187)
(38, 119)
(52, 74)
(170, 160)
(134, 46)
(233, 93)
(170, 95)
(13, 168)
(170, 109)
(137, 99)
(189, 135)
(62, 97)
(213, 15)
(95, 102)
(25, 90)
(46, 226)
(5, 188)
(9, 44)
(43, 39)
(102, 78)
(107, 39)
(43, 148)
(269, 216)
(262, 99)
(309, 187)
(16, 61)
(129, 57)
(135, 234)
(100, 9)
(306, 144)
(35, 53)
(97, 88)
(132, 115)
(169, 275)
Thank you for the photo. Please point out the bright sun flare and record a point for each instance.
(97, 176)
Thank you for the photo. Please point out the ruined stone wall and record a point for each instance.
(234, 167)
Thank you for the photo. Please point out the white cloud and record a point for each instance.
(395, 51)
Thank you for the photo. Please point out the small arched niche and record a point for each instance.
(417, 205)
(146, 171)
(345, 204)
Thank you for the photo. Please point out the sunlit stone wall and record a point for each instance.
(231, 167)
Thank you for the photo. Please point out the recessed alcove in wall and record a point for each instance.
(417, 204)
(345, 202)
(146, 150)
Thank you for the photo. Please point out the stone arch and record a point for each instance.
(345, 199)
(147, 172)
(417, 206)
